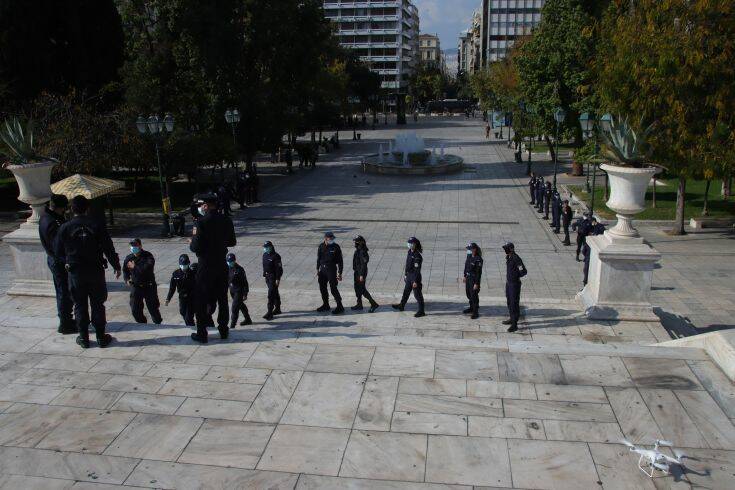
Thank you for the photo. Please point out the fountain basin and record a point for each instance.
(444, 165)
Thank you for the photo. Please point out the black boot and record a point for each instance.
(268, 316)
(398, 306)
(67, 327)
(324, 307)
(513, 328)
(82, 342)
(357, 307)
(467, 310)
(338, 310)
(419, 314)
(507, 322)
(277, 311)
(224, 332)
(104, 340)
(374, 307)
(196, 338)
(246, 321)
(475, 315)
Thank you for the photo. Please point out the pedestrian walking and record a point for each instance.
(239, 289)
(329, 267)
(487, 131)
(183, 280)
(412, 277)
(272, 272)
(473, 279)
(566, 220)
(360, 267)
(85, 248)
(51, 220)
(211, 237)
(139, 274)
(514, 271)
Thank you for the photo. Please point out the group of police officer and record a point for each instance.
(79, 251)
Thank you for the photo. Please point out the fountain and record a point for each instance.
(407, 155)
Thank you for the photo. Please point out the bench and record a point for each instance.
(703, 222)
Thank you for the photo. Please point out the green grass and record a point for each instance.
(666, 200)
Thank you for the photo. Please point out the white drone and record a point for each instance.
(653, 459)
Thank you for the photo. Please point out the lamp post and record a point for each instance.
(591, 127)
(559, 116)
(158, 128)
(232, 116)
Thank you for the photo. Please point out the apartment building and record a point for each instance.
(385, 34)
(431, 52)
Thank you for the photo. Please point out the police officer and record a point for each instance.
(540, 194)
(289, 161)
(211, 237)
(532, 188)
(360, 265)
(239, 289)
(594, 228)
(223, 200)
(412, 277)
(183, 280)
(272, 272)
(514, 270)
(548, 192)
(329, 267)
(566, 220)
(580, 226)
(240, 187)
(80, 244)
(473, 278)
(138, 273)
(556, 211)
(51, 219)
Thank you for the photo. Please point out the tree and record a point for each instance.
(56, 46)
(671, 61)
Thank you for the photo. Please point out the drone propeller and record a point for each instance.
(664, 443)
(627, 443)
(679, 454)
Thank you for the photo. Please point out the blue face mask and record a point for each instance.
(230, 264)
(469, 252)
(135, 250)
(184, 267)
(266, 250)
(409, 246)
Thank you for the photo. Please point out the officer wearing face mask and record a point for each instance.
(360, 266)
(239, 289)
(515, 270)
(183, 280)
(329, 267)
(412, 277)
(272, 273)
(138, 273)
(212, 235)
(473, 279)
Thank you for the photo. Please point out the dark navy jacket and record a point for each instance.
(237, 280)
(142, 274)
(514, 269)
(48, 227)
(83, 244)
(473, 269)
(360, 262)
(184, 282)
(272, 266)
(414, 260)
(329, 258)
(215, 232)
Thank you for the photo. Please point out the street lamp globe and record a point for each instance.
(228, 116)
(559, 115)
(140, 123)
(153, 124)
(606, 122)
(585, 120)
(168, 122)
(235, 116)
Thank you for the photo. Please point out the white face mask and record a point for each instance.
(201, 210)
(469, 252)
(183, 267)
(330, 241)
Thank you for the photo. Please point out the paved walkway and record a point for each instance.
(377, 400)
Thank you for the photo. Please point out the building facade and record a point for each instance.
(385, 34)
(497, 25)
(430, 51)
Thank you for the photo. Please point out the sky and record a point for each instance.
(447, 18)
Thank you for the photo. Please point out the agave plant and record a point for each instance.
(19, 142)
(623, 145)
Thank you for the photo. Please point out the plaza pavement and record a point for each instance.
(381, 400)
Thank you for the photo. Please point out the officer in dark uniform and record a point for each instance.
(548, 192)
(240, 189)
(556, 211)
(223, 200)
(183, 280)
(239, 288)
(412, 277)
(212, 235)
(532, 188)
(80, 244)
(138, 273)
(252, 183)
(272, 272)
(580, 226)
(360, 265)
(473, 278)
(289, 161)
(566, 219)
(329, 267)
(514, 271)
(594, 228)
(540, 194)
(51, 220)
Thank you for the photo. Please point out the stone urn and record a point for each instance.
(34, 183)
(628, 187)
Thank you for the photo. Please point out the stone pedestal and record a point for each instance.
(32, 275)
(620, 279)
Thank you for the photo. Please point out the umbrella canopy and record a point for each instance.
(86, 185)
